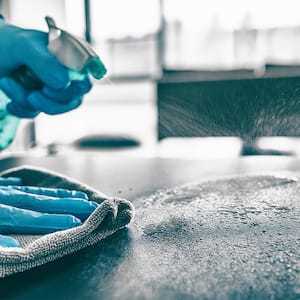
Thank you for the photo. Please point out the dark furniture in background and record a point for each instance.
(229, 103)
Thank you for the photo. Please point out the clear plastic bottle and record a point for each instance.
(8, 123)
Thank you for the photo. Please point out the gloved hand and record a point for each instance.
(29, 47)
(36, 210)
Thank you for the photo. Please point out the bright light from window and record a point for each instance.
(68, 14)
(31, 13)
(231, 14)
(120, 18)
(75, 17)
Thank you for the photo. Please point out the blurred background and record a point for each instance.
(186, 78)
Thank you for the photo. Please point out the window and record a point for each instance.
(125, 34)
(68, 14)
(231, 34)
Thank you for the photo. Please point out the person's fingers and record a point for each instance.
(18, 111)
(59, 193)
(75, 89)
(77, 207)
(18, 221)
(50, 101)
(12, 89)
(8, 241)
(33, 52)
(10, 181)
(19, 106)
(44, 104)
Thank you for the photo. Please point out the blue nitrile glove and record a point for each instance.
(29, 47)
(36, 210)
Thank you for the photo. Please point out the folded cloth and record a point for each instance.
(111, 215)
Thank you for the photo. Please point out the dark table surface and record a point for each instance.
(181, 259)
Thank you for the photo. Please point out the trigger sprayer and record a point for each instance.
(73, 52)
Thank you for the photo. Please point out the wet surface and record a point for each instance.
(228, 239)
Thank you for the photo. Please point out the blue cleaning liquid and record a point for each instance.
(8, 123)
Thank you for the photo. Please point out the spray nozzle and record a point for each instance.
(73, 52)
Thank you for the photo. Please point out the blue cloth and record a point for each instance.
(37, 210)
(29, 47)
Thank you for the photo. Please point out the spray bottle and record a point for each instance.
(73, 52)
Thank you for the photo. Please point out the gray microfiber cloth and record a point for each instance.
(111, 215)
